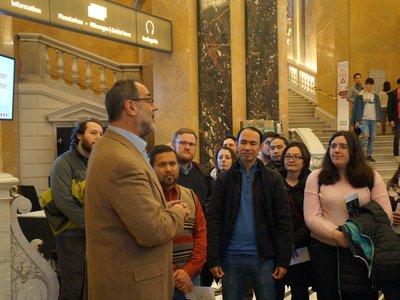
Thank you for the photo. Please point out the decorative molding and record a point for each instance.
(78, 111)
(58, 92)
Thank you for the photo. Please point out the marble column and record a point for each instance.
(215, 82)
(262, 59)
(238, 50)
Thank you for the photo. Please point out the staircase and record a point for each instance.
(301, 114)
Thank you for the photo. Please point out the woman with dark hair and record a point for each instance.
(223, 160)
(295, 170)
(383, 96)
(345, 174)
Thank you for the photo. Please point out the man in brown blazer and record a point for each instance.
(129, 226)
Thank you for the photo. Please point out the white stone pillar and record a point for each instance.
(7, 183)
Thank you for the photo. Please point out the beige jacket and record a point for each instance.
(129, 231)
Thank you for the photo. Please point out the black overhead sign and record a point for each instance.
(96, 17)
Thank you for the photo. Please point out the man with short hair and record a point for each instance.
(189, 247)
(129, 224)
(249, 226)
(265, 155)
(352, 93)
(368, 115)
(276, 147)
(393, 110)
(66, 212)
(355, 89)
(193, 176)
(231, 142)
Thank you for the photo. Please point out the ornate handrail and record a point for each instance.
(25, 272)
(32, 276)
(302, 79)
(60, 61)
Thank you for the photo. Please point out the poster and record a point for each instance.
(343, 122)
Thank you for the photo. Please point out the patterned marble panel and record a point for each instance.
(262, 59)
(215, 95)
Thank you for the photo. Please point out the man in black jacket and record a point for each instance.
(248, 225)
(394, 117)
(194, 176)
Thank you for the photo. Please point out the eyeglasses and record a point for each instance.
(147, 99)
(184, 144)
(340, 146)
(294, 157)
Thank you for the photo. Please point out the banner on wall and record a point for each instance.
(342, 88)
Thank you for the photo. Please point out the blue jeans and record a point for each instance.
(239, 268)
(368, 131)
(178, 295)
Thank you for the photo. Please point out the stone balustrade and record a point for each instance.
(44, 58)
(302, 80)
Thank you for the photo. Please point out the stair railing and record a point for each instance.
(44, 59)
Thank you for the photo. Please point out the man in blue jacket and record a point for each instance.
(249, 224)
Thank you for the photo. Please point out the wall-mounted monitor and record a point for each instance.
(7, 75)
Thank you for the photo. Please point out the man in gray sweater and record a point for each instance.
(66, 212)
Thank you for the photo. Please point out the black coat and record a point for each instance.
(374, 223)
(299, 274)
(301, 233)
(271, 215)
(392, 110)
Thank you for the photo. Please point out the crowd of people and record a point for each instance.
(155, 226)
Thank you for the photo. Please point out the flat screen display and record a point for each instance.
(7, 70)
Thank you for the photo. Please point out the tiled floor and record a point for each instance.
(313, 296)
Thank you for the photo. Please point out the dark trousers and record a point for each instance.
(206, 277)
(396, 139)
(298, 291)
(324, 263)
(71, 261)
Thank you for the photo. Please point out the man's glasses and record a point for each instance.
(294, 157)
(147, 99)
(183, 143)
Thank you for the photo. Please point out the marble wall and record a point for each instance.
(215, 82)
(360, 32)
(175, 74)
(262, 59)
(9, 159)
